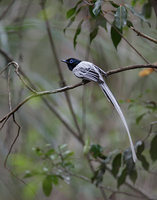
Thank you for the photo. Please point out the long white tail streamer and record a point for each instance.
(112, 99)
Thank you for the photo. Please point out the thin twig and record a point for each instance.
(84, 178)
(6, 55)
(16, 66)
(14, 141)
(63, 82)
(37, 94)
(131, 67)
(134, 188)
(137, 190)
(7, 9)
(144, 35)
(50, 106)
(150, 130)
(127, 41)
(18, 132)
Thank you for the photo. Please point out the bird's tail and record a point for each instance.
(112, 99)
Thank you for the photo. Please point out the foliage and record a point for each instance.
(121, 19)
(80, 127)
(56, 166)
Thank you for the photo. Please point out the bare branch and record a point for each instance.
(16, 66)
(50, 106)
(134, 188)
(84, 178)
(150, 130)
(131, 67)
(14, 141)
(63, 89)
(6, 55)
(144, 35)
(7, 9)
(137, 190)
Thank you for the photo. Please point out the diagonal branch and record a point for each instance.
(6, 10)
(46, 102)
(63, 89)
(126, 40)
(144, 35)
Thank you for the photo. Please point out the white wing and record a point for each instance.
(88, 71)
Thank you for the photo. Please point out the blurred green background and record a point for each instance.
(23, 36)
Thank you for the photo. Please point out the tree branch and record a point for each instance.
(144, 35)
(131, 67)
(6, 10)
(63, 89)
(126, 40)
(46, 102)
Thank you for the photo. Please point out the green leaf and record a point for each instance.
(144, 162)
(97, 7)
(129, 160)
(47, 185)
(115, 36)
(147, 10)
(69, 165)
(140, 147)
(50, 152)
(116, 164)
(129, 23)
(28, 174)
(54, 179)
(78, 31)
(67, 154)
(153, 148)
(63, 146)
(96, 150)
(72, 19)
(139, 118)
(28, 193)
(101, 21)
(86, 147)
(120, 17)
(133, 176)
(133, 3)
(93, 34)
(98, 175)
(114, 4)
(38, 151)
(139, 15)
(122, 177)
(70, 12)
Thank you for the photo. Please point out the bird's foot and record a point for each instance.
(85, 81)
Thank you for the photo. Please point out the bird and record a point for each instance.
(87, 71)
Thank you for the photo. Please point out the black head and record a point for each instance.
(71, 62)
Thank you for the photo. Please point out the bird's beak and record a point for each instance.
(64, 61)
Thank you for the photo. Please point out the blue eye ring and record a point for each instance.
(71, 61)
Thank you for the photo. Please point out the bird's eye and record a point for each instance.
(71, 61)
